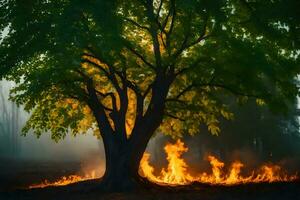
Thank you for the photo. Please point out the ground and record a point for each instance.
(290, 191)
(16, 175)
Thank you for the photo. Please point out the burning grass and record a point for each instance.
(177, 172)
(65, 180)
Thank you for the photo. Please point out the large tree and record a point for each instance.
(126, 68)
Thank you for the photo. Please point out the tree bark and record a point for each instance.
(123, 157)
(121, 173)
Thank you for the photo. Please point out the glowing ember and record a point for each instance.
(65, 180)
(177, 171)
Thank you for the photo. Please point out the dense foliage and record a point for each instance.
(208, 49)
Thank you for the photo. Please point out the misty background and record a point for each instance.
(15, 146)
(25, 160)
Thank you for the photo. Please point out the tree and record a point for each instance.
(9, 125)
(127, 68)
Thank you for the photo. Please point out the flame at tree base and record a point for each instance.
(177, 171)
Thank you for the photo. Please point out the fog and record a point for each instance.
(29, 147)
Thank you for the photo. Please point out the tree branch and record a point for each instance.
(141, 57)
(185, 44)
(174, 117)
(201, 38)
(159, 9)
(147, 90)
(110, 75)
(99, 112)
(153, 32)
(137, 24)
(168, 35)
(113, 98)
(98, 67)
(165, 22)
(175, 100)
(233, 91)
(118, 116)
(217, 85)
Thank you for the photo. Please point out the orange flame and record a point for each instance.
(177, 167)
(65, 180)
(177, 171)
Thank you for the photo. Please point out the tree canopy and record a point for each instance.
(129, 55)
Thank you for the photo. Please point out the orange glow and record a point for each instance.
(65, 180)
(177, 171)
(177, 167)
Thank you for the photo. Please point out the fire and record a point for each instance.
(147, 168)
(65, 180)
(177, 167)
(177, 170)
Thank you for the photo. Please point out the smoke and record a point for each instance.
(202, 145)
(255, 137)
(27, 160)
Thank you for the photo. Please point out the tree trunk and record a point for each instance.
(123, 154)
(122, 164)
